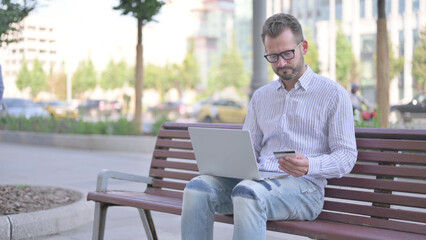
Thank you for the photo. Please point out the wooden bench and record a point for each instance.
(384, 197)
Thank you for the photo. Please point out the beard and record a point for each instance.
(290, 72)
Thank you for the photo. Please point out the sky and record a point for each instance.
(93, 28)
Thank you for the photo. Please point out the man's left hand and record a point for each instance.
(295, 166)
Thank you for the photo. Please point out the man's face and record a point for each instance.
(287, 69)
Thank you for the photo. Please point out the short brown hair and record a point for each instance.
(277, 23)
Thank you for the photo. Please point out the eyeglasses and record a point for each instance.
(286, 55)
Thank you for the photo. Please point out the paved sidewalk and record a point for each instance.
(77, 169)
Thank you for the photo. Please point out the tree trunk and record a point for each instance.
(382, 64)
(137, 120)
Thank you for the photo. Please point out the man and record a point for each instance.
(300, 111)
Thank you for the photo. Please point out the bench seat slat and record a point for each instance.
(410, 187)
(374, 222)
(372, 211)
(392, 157)
(393, 199)
(391, 144)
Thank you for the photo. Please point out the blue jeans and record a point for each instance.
(252, 203)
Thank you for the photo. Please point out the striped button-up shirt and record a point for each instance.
(314, 118)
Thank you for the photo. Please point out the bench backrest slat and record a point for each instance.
(390, 185)
(386, 188)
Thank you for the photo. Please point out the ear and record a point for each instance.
(305, 46)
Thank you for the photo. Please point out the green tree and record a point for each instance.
(11, 13)
(115, 75)
(311, 57)
(229, 71)
(189, 70)
(419, 62)
(38, 81)
(58, 83)
(396, 64)
(156, 78)
(24, 76)
(143, 11)
(84, 78)
(344, 58)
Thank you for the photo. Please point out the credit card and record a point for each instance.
(280, 154)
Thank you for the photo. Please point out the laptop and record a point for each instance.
(227, 153)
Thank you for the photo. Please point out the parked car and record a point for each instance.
(61, 109)
(223, 111)
(24, 107)
(416, 108)
(98, 107)
(171, 109)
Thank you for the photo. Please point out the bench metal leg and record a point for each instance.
(99, 221)
(148, 224)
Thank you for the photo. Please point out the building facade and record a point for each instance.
(405, 20)
(38, 40)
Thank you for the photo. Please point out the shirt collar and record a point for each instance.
(303, 82)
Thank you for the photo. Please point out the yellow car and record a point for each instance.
(61, 109)
(223, 111)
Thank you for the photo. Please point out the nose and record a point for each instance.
(281, 62)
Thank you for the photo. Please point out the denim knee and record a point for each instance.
(198, 184)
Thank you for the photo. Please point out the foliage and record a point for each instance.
(38, 80)
(419, 61)
(189, 75)
(11, 13)
(396, 65)
(144, 10)
(311, 57)
(58, 84)
(24, 76)
(84, 78)
(158, 122)
(229, 71)
(156, 77)
(67, 126)
(344, 58)
(115, 75)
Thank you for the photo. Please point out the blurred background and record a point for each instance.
(76, 59)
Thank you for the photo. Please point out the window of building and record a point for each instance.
(375, 7)
(42, 29)
(416, 5)
(31, 39)
(401, 43)
(415, 38)
(13, 50)
(52, 41)
(362, 9)
(42, 40)
(31, 27)
(52, 52)
(338, 9)
(31, 50)
(42, 51)
(401, 6)
(323, 10)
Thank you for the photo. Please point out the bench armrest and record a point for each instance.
(105, 175)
